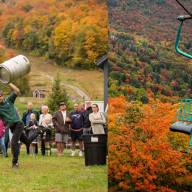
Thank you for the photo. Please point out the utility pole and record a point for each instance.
(102, 63)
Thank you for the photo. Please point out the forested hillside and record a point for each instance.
(144, 155)
(142, 48)
(73, 33)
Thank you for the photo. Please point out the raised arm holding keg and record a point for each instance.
(15, 89)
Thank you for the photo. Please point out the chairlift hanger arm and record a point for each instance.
(178, 50)
(181, 19)
(186, 10)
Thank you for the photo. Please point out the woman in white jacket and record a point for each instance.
(45, 120)
(97, 120)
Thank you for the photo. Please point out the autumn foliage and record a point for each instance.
(142, 156)
(142, 53)
(73, 33)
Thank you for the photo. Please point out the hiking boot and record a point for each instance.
(15, 165)
(80, 154)
(73, 153)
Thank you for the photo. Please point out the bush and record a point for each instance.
(27, 7)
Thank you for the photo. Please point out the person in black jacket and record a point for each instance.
(26, 119)
(86, 121)
(32, 125)
(27, 113)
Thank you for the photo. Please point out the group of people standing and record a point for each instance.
(40, 125)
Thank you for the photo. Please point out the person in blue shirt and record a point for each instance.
(28, 112)
(76, 117)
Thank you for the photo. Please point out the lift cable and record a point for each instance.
(188, 12)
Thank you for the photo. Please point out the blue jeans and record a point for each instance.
(2, 143)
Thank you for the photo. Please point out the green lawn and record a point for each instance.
(52, 174)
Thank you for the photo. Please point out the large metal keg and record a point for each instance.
(14, 68)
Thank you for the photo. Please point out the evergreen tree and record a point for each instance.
(58, 95)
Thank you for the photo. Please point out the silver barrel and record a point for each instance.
(14, 68)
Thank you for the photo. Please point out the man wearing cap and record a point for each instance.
(61, 124)
(10, 115)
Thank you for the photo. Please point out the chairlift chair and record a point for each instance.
(184, 120)
(184, 114)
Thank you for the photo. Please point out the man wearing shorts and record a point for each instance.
(61, 125)
(76, 129)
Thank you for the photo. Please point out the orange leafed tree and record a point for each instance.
(141, 156)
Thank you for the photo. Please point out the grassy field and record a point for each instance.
(43, 71)
(52, 174)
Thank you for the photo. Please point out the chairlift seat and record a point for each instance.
(181, 127)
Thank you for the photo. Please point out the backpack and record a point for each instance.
(2, 128)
